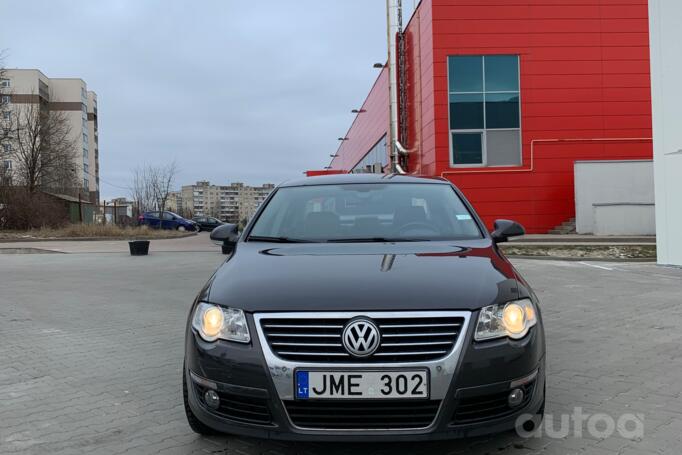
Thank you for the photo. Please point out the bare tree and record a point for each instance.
(152, 185)
(5, 127)
(162, 183)
(43, 149)
(141, 189)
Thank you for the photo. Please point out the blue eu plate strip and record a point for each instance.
(302, 384)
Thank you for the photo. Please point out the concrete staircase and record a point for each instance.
(567, 227)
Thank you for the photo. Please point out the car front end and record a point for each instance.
(365, 338)
(474, 387)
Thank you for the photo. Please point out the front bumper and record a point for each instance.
(256, 402)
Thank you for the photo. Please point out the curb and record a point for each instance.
(575, 259)
(587, 240)
(94, 239)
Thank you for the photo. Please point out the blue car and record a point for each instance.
(169, 220)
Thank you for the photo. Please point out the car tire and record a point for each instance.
(195, 424)
(181, 228)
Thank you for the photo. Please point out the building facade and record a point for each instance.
(174, 202)
(503, 99)
(232, 203)
(666, 65)
(68, 95)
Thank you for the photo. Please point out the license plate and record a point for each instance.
(361, 384)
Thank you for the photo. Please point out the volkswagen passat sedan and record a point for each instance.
(364, 307)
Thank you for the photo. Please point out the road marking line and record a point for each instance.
(596, 266)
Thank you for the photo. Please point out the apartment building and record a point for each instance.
(231, 203)
(174, 202)
(68, 95)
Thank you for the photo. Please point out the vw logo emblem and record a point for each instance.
(361, 337)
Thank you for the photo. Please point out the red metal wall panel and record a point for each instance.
(367, 128)
(584, 68)
(584, 74)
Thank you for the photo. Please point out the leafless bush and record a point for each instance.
(152, 185)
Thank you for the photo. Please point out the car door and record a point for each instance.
(212, 223)
(201, 221)
(152, 219)
(168, 221)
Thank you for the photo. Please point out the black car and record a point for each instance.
(365, 307)
(207, 223)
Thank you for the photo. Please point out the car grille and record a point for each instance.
(491, 406)
(240, 408)
(362, 415)
(403, 339)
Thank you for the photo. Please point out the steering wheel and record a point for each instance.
(417, 225)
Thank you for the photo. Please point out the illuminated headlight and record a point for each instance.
(512, 319)
(215, 322)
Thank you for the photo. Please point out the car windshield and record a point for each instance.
(365, 213)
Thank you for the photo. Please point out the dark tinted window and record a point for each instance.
(466, 111)
(467, 147)
(489, 105)
(501, 73)
(502, 110)
(466, 73)
(367, 211)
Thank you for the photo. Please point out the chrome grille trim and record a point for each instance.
(441, 369)
(404, 337)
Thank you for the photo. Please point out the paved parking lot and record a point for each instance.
(91, 356)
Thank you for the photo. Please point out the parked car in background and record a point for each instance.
(207, 223)
(168, 220)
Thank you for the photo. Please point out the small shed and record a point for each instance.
(77, 210)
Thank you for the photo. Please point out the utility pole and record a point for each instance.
(392, 85)
(80, 207)
(394, 12)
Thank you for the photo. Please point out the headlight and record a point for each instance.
(214, 322)
(512, 319)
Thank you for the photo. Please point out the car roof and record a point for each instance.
(340, 179)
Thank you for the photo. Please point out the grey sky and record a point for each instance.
(254, 91)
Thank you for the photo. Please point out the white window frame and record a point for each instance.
(484, 130)
(5, 83)
(5, 99)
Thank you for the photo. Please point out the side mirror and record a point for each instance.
(226, 236)
(505, 229)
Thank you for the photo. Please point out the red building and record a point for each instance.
(503, 96)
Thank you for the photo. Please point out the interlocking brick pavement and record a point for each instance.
(91, 352)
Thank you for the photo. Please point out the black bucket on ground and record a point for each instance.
(139, 247)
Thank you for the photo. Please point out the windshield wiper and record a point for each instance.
(262, 238)
(376, 239)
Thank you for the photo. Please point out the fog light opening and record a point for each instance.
(515, 398)
(212, 399)
(529, 425)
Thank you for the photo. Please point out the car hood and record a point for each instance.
(262, 277)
